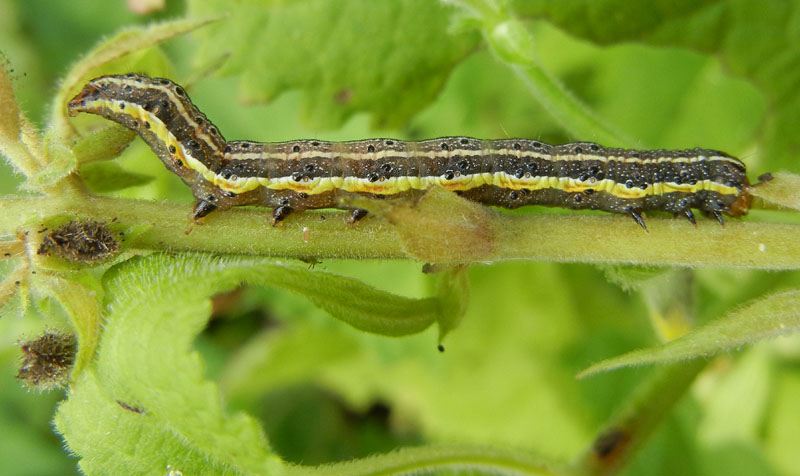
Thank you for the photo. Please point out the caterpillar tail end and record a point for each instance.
(744, 200)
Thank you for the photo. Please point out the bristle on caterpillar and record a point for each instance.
(308, 174)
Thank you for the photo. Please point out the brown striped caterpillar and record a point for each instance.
(307, 174)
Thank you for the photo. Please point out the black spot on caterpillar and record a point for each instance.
(299, 175)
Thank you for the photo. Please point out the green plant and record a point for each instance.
(144, 391)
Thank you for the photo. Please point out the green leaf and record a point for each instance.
(80, 299)
(498, 367)
(148, 384)
(389, 58)
(772, 316)
(453, 291)
(145, 363)
(178, 430)
(108, 177)
(783, 189)
(104, 144)
(357, 304)
(609, 21)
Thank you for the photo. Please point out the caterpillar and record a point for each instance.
(310, 174)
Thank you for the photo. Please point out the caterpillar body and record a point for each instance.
(310, 174)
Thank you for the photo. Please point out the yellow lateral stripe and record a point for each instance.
(395, 185)
(158, 128)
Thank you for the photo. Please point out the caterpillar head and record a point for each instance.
(161, 112)
(141, 103)
(110, 94)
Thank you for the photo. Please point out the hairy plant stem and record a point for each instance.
(570, 237)
(624, 434)
(428, 459)
(513, 44)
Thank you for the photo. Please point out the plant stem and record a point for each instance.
(624, 434)
(427, 459)
(513, 44)
(570, 237)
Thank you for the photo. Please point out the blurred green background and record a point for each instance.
(326, 392)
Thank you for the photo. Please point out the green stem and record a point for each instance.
(12, 248)
(513, 44)
(428, 459)
(570, 237)
(572, 114)
(624, 434)
(12, 282)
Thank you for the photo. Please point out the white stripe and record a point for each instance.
(432, 154)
